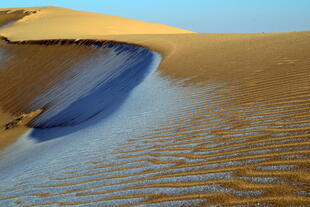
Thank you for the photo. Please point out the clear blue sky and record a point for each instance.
(212, 16)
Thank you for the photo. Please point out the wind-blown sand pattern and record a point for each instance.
(223, 120)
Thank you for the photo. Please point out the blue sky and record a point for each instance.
(205, 16)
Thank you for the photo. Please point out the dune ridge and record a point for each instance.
(236, 133)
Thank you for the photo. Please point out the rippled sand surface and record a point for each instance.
(224, 120)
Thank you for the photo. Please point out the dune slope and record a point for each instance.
(223, 121)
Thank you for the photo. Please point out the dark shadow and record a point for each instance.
(100, 103)
(7, 24)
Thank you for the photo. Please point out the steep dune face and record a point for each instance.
(224, 122)
(23, 76)
(98, 85)
(71, 81)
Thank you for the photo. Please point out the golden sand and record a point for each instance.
(264, 77)
(63, 23)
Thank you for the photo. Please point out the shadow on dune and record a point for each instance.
(109, 91)
(8, 17)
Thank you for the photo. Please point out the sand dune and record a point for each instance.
(48, 19)
(224, 120)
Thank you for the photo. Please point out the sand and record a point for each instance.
(258, 99)
(184, 51)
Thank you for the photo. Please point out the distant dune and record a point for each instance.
(66, 23)
(224, 120)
